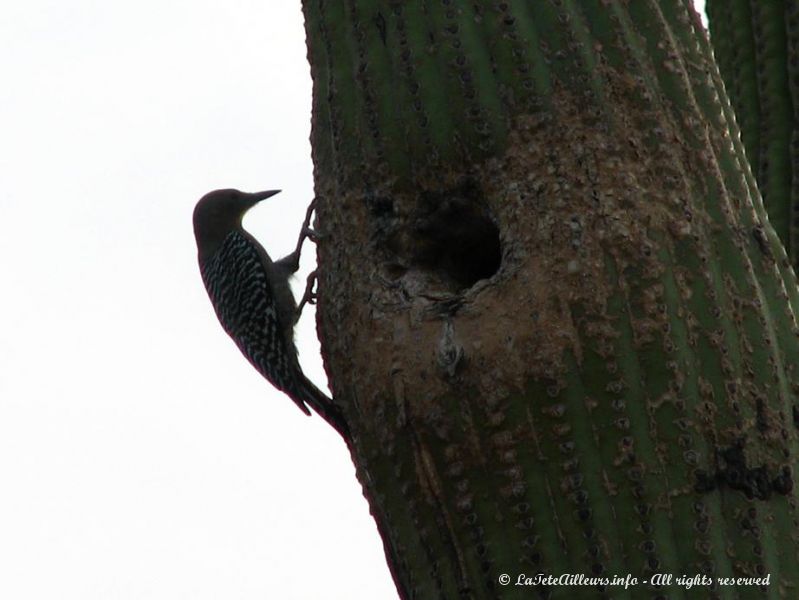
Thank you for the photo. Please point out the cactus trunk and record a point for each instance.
(756, 50)
(551, 304)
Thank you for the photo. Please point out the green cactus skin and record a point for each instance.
(619, 395)
(755, 46)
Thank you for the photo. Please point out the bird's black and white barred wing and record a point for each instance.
(244, 300)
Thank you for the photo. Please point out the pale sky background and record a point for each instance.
(141, 457)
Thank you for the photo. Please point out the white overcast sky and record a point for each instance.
(141, 457)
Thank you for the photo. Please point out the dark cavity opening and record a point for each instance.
(457, 242)
(448, 234)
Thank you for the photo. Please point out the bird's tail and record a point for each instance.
(324, 407)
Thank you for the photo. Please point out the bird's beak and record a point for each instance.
(258, 196)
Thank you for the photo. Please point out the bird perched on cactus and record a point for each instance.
(252, 296)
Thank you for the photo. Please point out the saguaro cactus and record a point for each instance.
(756, 47)
(552, 307)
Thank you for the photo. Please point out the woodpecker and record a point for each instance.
(252, 297)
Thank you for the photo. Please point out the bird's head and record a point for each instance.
(220, 212)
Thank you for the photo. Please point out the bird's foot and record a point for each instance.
(310, 295)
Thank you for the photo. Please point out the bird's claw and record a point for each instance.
(307, 232)
(310, 296)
